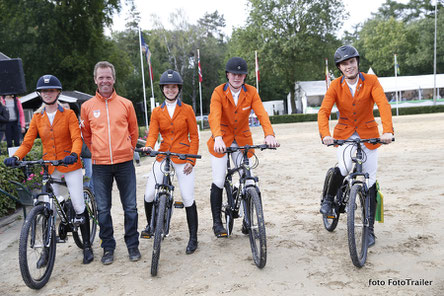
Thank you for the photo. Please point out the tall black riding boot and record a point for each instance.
(146, 233)
(216, 211)
(88, 255)
(371, 219)
(335, 183)
(192, 227)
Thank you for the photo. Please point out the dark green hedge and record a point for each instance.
(6, 204)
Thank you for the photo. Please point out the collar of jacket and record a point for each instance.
(243, 87)
(360, 76)
(179, 102)
(102, 98)
(59, 107)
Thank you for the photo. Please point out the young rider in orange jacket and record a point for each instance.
(355, 93)
(230, 108)
(59, 131)
(176, 122)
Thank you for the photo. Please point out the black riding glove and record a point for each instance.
(70, 159)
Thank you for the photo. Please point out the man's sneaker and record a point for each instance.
(134, 254)
(146, 233)
(108, 257)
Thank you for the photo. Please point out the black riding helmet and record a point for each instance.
(236, 65)
(170, 77)
(48, 82)
(345, 52)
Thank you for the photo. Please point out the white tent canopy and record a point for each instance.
(34, 95)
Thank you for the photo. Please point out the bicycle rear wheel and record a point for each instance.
(227, 208)
(36, 259)
(256, 226)
(91, 207)
(158, 232)
(357, 226)
(330, 222)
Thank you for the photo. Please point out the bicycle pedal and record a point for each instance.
(146, 236)
(179, 205)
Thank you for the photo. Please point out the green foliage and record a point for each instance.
(64, 38)
(7, 205)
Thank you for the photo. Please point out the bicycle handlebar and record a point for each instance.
(24, 163)
(249, 147)
(154, 153)
(373, 141)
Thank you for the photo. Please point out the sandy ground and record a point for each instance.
(303, 258)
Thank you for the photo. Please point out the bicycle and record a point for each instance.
(163, 203)
(352, 198)
(248, 195)
(37, 244)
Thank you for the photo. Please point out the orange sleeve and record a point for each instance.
(385, 110)
(133, 127)
(74, 130)
(261, 114)
(28, 141)
(194, 134)
(153, 131)
(215, 114)
(325, 110)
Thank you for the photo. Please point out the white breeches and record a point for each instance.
(186, 182)
(74, 182)
(345, 163)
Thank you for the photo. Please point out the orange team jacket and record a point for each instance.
(179, 133)
(109, 128)
(356, 113)
(231, 121)
(58, 140)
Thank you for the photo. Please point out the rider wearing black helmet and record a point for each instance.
(231, 104)
(355, 93)
(59, 131)
(176, 122)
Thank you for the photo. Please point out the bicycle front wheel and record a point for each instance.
(357, 227)
(256, 227)
(37, 248)
(330, 222)
(91, 207)
(159, 232)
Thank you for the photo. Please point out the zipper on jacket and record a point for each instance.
(109, 132)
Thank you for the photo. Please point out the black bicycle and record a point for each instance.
(163, 203)
(352, 198)
(248, 195)
(38, 237)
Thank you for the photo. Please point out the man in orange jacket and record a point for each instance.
(110, 130)
(355, 93)
(230, 108)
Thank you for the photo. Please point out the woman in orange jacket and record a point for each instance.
(355, 93)
(59, 131)
(230, 108)
(176, 122)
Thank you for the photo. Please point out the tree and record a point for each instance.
(292, 39)
(63, 37)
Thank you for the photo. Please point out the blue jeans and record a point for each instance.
(125, 175)
(87, 163)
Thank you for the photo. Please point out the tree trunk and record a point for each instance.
(292, 101)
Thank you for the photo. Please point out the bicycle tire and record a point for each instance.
(31, 248)
(227, 208)
(158, 233)
(357, 228)
(256, 227)
(329, 222)
(91, 206)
